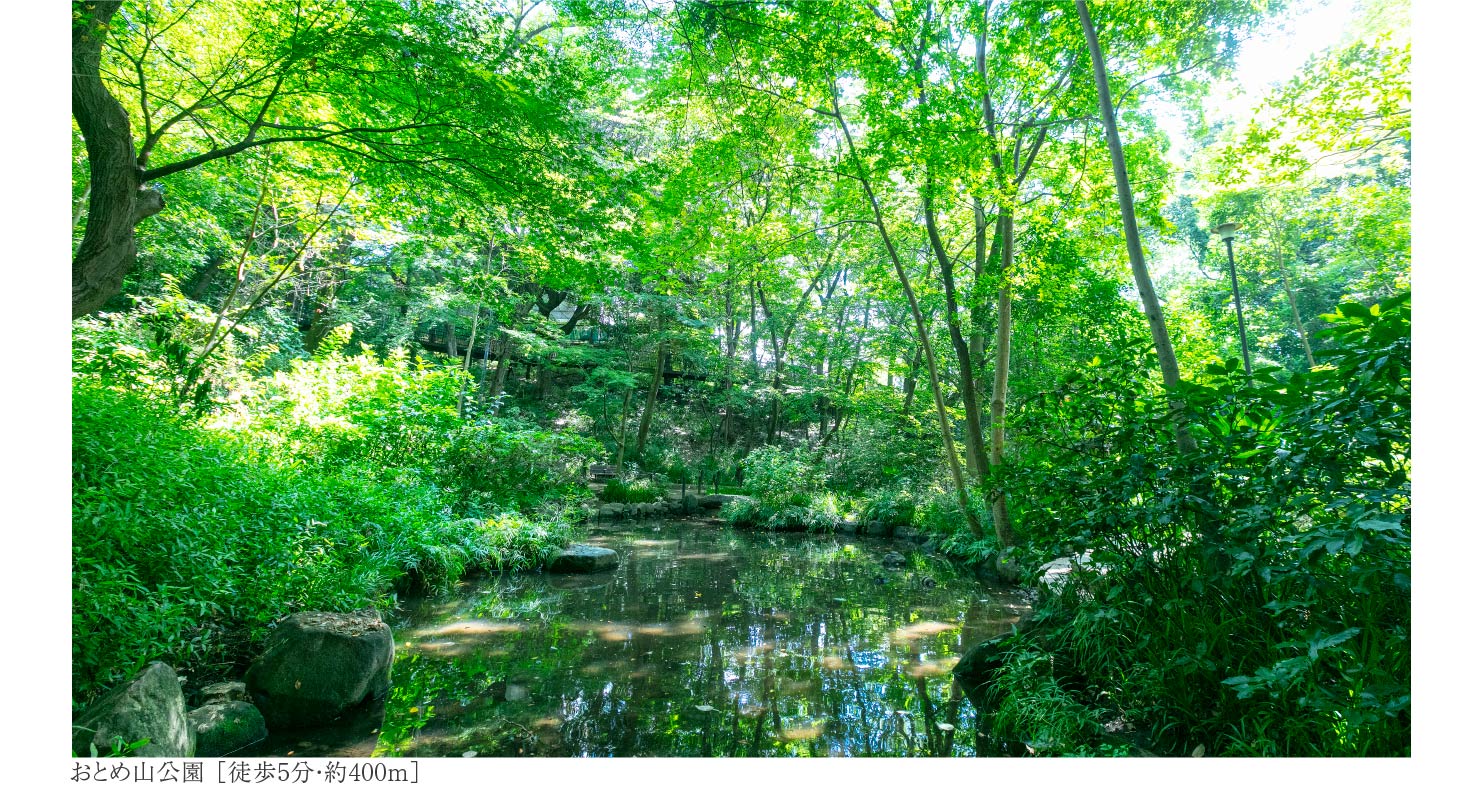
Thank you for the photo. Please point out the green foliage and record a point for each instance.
(1031, 705)
(893, 506)
(362, 409)
(393, 391)
(1256, 594)
(117, 748)
(642, 490)
(779, 477)
(317, 488)
(819, 515)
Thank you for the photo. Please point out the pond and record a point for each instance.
(704, 641)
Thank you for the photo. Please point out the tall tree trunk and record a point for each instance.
(841, 412)
(922, 335)
(467, 365)
(506, 356)
(627, 399)
(976, 455)
(451, 338)
(1001, 524)
(908, 386)
(647, 419)
(117, 200)
(1167, 360)
(985, 252)
(483, 367)
(1285, 280)
(755, 338)
(501, 372)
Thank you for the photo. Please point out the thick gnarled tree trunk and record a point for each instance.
(117, 200)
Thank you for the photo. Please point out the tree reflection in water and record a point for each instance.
(703, 642)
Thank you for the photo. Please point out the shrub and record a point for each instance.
(195, 524)
(1033, 706)
(894, 506)
(1257, 593)
(781, 477)
(644, 490)
(822, 516)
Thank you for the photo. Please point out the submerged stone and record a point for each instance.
(584, 558)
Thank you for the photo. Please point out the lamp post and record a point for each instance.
(1226, 231)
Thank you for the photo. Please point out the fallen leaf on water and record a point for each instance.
(1198, 751)
(946, 726)
(471, 754)
(706, 707)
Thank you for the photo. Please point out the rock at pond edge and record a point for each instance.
(149, 706)
(584, 558)
(226, 728)
(719, 499)
(224, 692)
(317, 665)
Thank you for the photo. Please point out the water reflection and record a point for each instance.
(703, 642)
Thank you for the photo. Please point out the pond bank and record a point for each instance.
(702, 641)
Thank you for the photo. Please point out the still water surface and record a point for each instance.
(704, 641)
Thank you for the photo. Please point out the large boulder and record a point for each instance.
(910, 535)
(894, 561)
(227, 728)
(690, 503)
(978, 669)
(318, 665)
(151, 706)
(877, 528)
(718, 500)
(1079, 572)
(584, 558)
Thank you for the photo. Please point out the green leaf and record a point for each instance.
(1332, 640)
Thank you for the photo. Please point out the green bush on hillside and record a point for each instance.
(195, 524)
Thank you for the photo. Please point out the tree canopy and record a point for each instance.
(939, 264)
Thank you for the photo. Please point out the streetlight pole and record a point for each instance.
(1226, 231)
